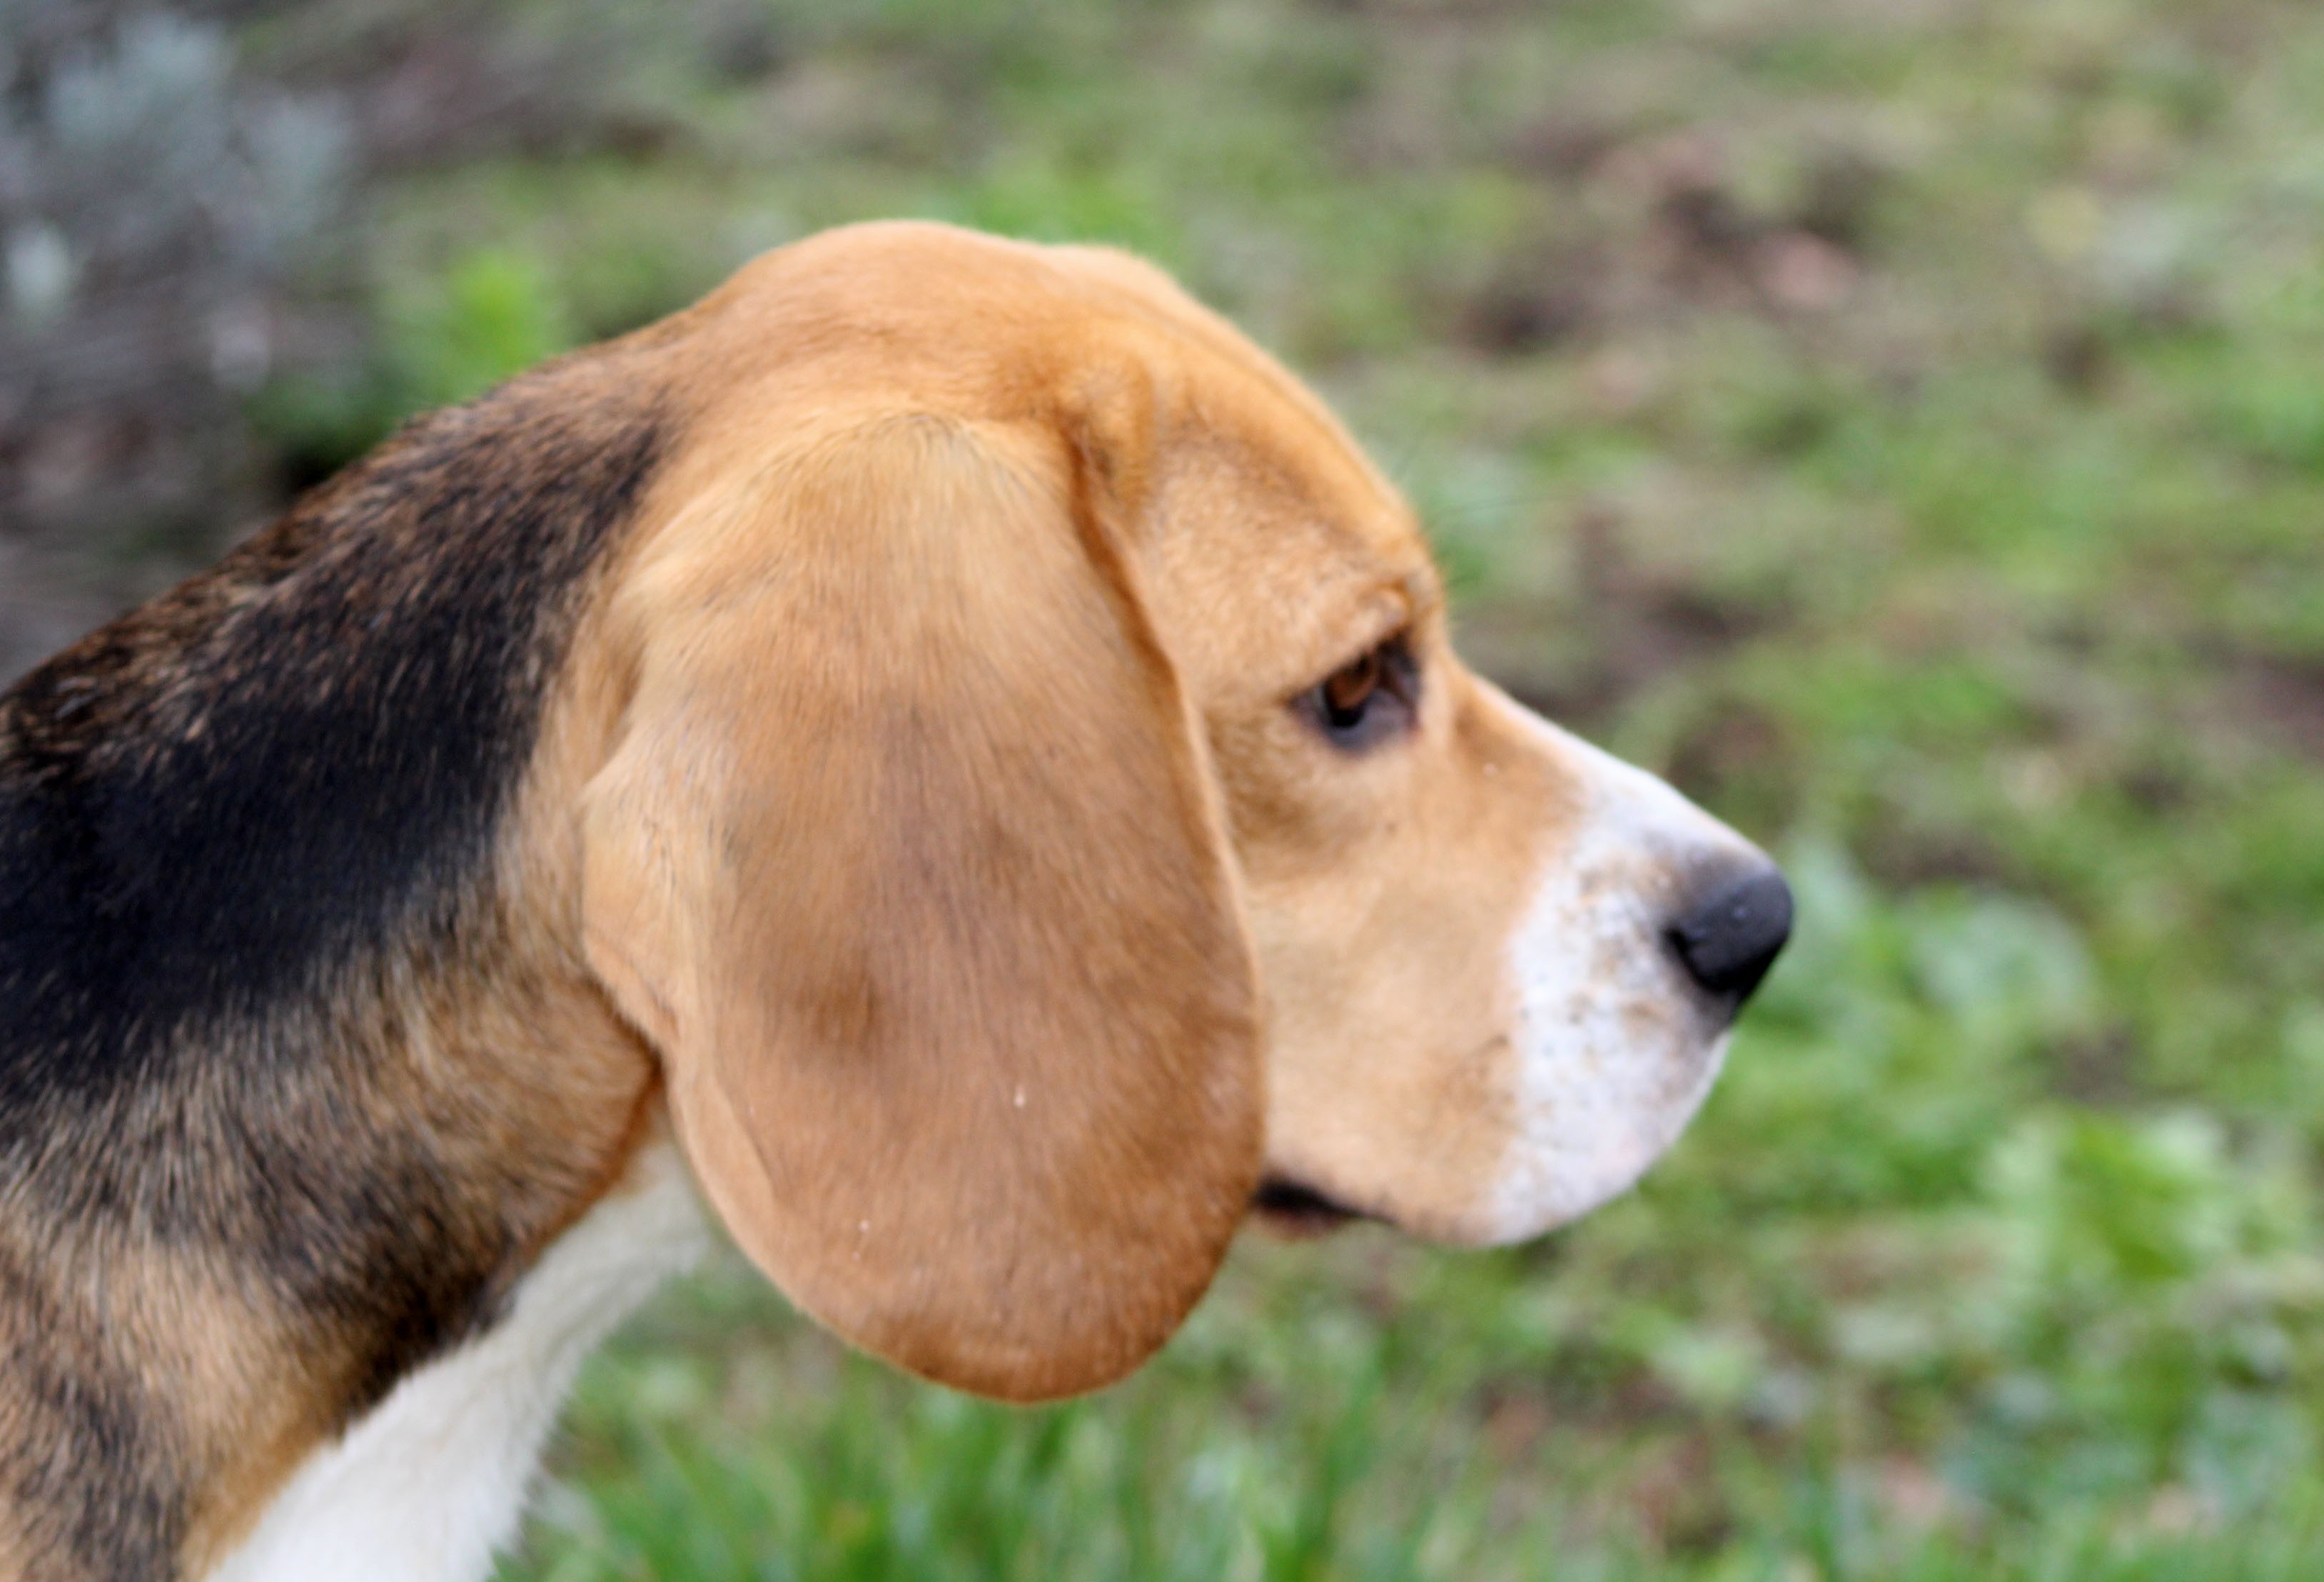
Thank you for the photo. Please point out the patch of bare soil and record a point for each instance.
(2284, 702)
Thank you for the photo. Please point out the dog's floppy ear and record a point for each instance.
(910, 862)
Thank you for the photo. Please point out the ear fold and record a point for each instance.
(908, 862)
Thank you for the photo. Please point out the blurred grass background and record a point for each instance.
(1899, 421)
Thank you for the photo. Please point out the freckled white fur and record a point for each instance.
(431, 1484)
(1613, 1053)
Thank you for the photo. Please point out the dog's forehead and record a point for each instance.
(1286, 571)
(1271, 522)
(1268, 514)
(1271, 531)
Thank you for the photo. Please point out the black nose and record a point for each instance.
(1729, 937)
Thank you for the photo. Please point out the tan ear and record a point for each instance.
(910, 862)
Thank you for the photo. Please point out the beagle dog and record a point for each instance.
(941, 753)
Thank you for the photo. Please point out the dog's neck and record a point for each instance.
(431, 1482)
(300, 1070)
(419, 1201)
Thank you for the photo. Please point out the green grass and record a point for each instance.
(1903, 425)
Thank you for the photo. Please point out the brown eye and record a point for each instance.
(1349, 691)
(1367, 699)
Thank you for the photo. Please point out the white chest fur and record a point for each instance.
(431, 1484)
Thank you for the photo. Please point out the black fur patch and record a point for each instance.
(293, 759)
(227, 821)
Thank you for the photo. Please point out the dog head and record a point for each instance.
(1048, 814)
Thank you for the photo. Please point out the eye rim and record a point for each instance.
(1368, 699)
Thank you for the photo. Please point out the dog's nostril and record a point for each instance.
(1732, 936)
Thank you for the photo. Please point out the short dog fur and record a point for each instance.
(879, 737)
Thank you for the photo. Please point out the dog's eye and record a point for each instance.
(1368, 699)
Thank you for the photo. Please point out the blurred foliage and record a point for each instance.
(154, 209)
(1900, 423)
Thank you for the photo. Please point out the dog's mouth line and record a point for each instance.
(1287, 1204)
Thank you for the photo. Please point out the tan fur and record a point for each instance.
(1000, 978)
(918, 802)
(918, 463)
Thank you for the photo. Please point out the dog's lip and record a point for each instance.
(1291, 1207)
